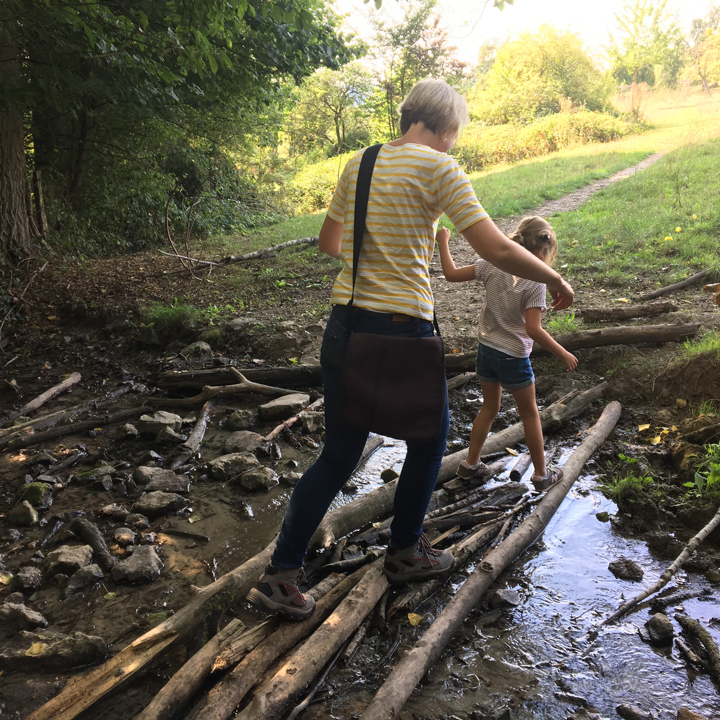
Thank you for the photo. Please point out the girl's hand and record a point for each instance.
(568, 360)
(443, 236)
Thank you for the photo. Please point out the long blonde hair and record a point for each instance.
(536, 235)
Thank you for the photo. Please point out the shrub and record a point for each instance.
(312, 188)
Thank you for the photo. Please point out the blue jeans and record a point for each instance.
(344, 444)
(492, 366)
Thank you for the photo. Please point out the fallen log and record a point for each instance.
(83, 691)
(307, 661)
(415, 663)
(243, 386)
(227, 695)
(460, 380)
(41, 399)
(559, 412)
(266, 252)
(13, 442)
(695, 628)
(627, 335)
(520, 467)
(297, 376)
(687, 551)
(629, 311)
(190, 446)
(692, 280)
(89, 532)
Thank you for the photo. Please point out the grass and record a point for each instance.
(561, 323)
(662, 223)
(707, 343)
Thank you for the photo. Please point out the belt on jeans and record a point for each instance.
(399, 317)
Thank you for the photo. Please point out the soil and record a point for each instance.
(87, 316)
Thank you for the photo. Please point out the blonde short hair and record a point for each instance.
(536, 235)
(433, 102)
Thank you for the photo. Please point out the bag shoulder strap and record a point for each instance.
(362, 194)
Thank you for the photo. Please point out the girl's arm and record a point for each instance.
(491, 245)
(331, 237)
(542, 337)
(450, 271)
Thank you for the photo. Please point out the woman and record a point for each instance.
(413, 183)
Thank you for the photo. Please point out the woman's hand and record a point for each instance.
(562, 294)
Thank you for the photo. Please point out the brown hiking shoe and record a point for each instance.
(278, 592)
(418, 562)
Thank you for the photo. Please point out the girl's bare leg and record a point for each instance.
(492, 393)
(530, 416)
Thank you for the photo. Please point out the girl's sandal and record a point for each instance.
(544, 482)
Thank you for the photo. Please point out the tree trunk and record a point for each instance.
(79, 163)
(629, 311)
(17, 227)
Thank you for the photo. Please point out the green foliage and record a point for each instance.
(535, 75)
(708, 343)
(626, 489)
(561, 323)
(706, 482)
(312, 188)
(175, 319)
(481, 146)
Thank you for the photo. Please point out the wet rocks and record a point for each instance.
(17, 617)
(27, 579)
(687, 714)
(632, 712)
(242, 441)
(146, 474)
(157, 503)
(170, 483)
(388, 475)
(94, 475)
(151, 459)
(142, 566)
(289, 477)
(284, 407)
(228, 467)
(153, 424)
(35, 652)
(196, 348)
(168, 436)
(83, 578)
(124, 536)
(137, 521)
(23, 514)
(114, 511)
(68, 559)
(241, 420)
(658, 630)
(625, 569)
(128, 431)
(504, 598)
(10, 535)
(312, 421)
(260, 478)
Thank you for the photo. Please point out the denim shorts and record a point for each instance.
(492, 366)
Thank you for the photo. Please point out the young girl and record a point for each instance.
(509, 323)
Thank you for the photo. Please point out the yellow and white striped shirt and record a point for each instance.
(412, 185)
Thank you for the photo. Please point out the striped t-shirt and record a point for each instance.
(502, 318)
(412, 185)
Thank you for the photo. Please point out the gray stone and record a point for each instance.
(241, 325)
(15, 618)
(313, 421)
(505, 597)
(23, 514)
(660, 630)
(290, 478)
(286, 341)
(84, 577)
(124, 536)
(196, 348)
(713, 576)
(284, 407)
(261, 478)
(145, 474)
(16, 598)
(626, 569)
(227, 467)
(153, 424)
(38, 494)
(51, 652)
(97, 473)
(242, 441)
(114, 511)
(168, 436)
(68, 559)
(150, 457)
(388, 475)
(632, 712)
(27, 579)
(10, 535)
(170, 482)
(128, 430)
(241, 420)
(105, 483)
(137, 521)
(687, 714)
(155, 504)
(142, 566)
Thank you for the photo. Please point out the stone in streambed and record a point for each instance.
(242, 441)
(83, 578)
(658, 630)
(17, 617)
(687, 714)
(168, 436)
(626, 569)
(504, 598)
(284, 407)
(157, 503)
(228, 467)
(27, 579)
(142, 566)
(170, 483)
(35, 652)
(38, 494)
(260, 478)
(153, 424)
(241, 420)
(632, 712)
(124, 536)
(68, 559)
(137, 521)
(23, 514)
(91, 476)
